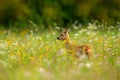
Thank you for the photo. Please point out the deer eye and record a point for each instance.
(64, 32)
(61, 35)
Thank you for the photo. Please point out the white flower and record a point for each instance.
(88, 65)
(76, 35)
(75, 27)
(81, 65)
(88, 33)
(27, 73)
(15, 44)
(53, 33)
(57, 28)
(61, 52)
(45, 74)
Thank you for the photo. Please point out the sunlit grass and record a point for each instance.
(26, 55)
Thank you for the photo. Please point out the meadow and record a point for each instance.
(34, 54)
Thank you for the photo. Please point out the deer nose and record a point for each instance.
(58, 38)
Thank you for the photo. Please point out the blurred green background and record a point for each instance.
(47, 12)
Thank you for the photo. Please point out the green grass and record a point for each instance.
(27, 55)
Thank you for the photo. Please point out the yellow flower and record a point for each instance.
(32, 58)
(9, 42)
(100, 40)
(110, 45)
(47, 47)
(64, 41)
(24, 32)
(40, 57)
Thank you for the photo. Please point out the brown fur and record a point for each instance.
(73, 48)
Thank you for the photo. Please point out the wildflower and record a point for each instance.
(75, 27)
(32, 58)
(80, 65)
(27, 73)
(57, 28)
(53, 33)
(90, 27)
(24, 32)
(95, 28)
(47, 47)
(40, 57)
(41, 70)
(76, 35)
(83, 57)
(46, 74)
(9, 42)
(100, 40)
(15, 44)
(110, 45)
(118, 61)
(88, 65)
(60, 52)
(119, 29)
(48, 36)
(88, 33)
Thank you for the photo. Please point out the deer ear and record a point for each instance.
(66, 29)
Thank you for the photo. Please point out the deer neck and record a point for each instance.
(67, 40)
(68, 43)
